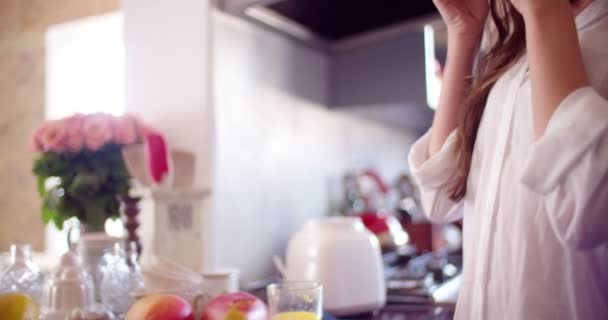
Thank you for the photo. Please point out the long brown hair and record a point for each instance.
(507, 47)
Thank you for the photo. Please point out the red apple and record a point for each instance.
(235, 306)
(160, 307)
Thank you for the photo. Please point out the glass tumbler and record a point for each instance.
(295, 301)
(120, 279)
(22, 275)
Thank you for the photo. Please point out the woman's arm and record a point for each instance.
(568, 164)
(465, 20)
(554, 55)
(432, 158)
(455, 83)
(568, 167)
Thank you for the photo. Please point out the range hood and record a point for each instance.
(335, 25)
(381, 54)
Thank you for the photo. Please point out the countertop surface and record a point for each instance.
(407, 312)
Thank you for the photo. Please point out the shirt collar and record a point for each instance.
(598, 9)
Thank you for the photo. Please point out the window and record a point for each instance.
(85, 73)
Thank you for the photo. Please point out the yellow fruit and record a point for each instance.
(16, 306)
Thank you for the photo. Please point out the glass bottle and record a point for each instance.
(22, 275)
(120, 277)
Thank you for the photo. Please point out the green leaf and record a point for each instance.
(49, 164)
(96, 216)
(84, 183)
(41, 186)
(112, 207)
(58, 221)
(48, 214)
(69, 207)
(95, 210)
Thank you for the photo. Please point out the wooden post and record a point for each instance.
(130, 211)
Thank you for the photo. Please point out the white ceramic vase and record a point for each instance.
(91, 247)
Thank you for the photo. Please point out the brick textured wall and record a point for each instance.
(22, 95)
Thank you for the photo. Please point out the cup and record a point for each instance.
(295, 301)
(220, 282)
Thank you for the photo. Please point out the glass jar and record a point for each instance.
(120, 277)
(22, 274)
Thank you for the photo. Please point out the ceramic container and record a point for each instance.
(343, 256)
(217, 282)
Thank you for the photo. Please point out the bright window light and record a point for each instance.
(85, 66)
(85, 73)
(433, 82)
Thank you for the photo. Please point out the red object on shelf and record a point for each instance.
(157, 156)
(387, 229)
(421, 235)
(375, 222)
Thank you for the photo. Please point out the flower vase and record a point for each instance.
(91, 246)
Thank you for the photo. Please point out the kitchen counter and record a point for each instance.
(395, 311)
(409, 312)
(406, 312)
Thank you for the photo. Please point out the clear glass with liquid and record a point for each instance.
(295, 301)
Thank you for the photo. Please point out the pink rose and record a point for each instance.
(143, 130)
(125, 131)
(52, 136)
(75, 134)
(37, 137)
(97, 130)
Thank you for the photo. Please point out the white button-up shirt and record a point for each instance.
(536, 211)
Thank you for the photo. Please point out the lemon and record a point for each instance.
(16, 306)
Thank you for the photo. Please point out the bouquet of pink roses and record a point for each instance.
(83, 155)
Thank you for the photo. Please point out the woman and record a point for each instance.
(520, 153)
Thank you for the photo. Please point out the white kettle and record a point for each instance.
(342, 255)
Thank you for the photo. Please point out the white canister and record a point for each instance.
(217, 282)
(345, 257)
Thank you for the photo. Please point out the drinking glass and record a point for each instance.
(22, 274)
(295, 301)
(120, 279)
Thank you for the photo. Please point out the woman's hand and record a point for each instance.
(464, 18)
(531, 9)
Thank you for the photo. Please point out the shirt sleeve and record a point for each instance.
(568, 166)
(434, 176)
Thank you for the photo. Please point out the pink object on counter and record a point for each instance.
(157, 156)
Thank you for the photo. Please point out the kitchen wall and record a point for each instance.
(22, 94)
(281, 152)
(253, 106)
(167, 69)
(384, 80)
